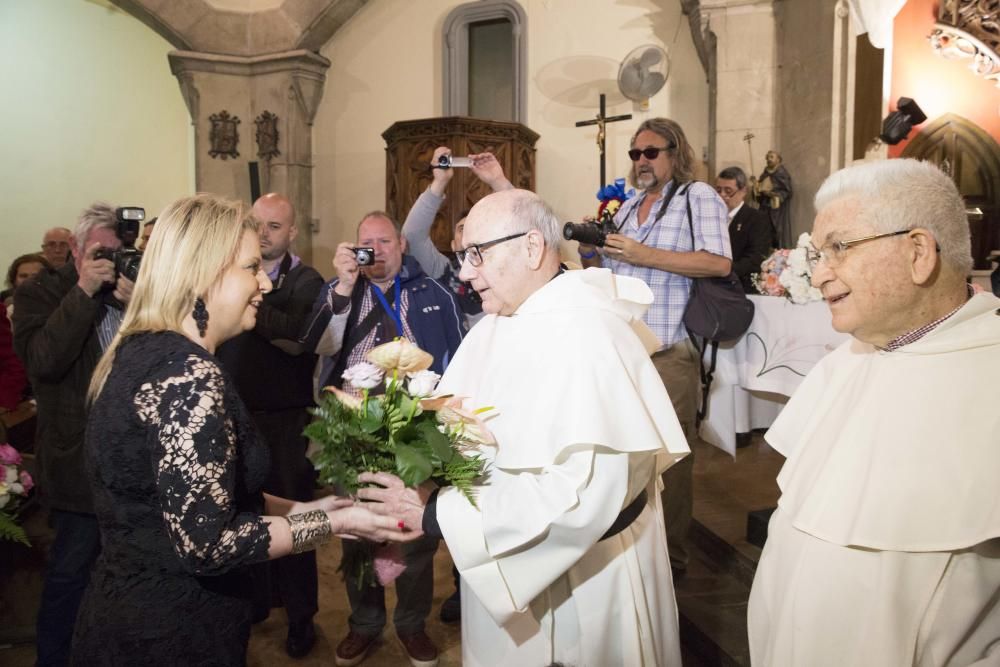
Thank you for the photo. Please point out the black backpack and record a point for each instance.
(717, 310)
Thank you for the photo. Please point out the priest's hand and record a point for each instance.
(395, 499)
(621, 247)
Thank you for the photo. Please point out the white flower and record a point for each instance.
(804, 240)
(9, 475)
(422, 383)
(797, 261)
(363, 375)
(402, 355)
(799, 292)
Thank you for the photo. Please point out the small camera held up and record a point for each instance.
(447, 162)
(364, 256)
(127, 258)
(592, 233)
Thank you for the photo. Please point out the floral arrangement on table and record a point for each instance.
(786, 273)
(404, 431)
(612, 197)
(15, 484)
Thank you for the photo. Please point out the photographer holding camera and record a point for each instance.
(417, 227)
(653, 242)
(379, 294)
(63, 322)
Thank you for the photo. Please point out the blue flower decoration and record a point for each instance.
(615, 190)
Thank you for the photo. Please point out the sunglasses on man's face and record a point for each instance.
(649, 153)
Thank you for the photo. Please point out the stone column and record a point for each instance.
(746, 71)
(288, 85)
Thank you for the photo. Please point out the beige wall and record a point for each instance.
(90, 112)
(387, 67)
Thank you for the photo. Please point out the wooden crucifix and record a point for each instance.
(600, 120)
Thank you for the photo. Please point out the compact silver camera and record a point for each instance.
(364, 256)
(447, 162)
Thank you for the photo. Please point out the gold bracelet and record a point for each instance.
(309, 530)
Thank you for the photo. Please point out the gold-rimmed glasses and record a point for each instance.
(832, 253)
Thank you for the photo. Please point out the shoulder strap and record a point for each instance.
(687, 199)
(354, 332)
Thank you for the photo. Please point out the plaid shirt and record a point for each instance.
(920, 332)
(670, 290)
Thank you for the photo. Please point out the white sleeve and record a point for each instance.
(530, 528)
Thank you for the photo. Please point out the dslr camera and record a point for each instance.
(127, 258)
(591, 233)
(364, 256)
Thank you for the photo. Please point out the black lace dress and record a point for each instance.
(176, 468)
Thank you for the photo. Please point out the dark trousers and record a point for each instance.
(414, 592)
(679, 370)
(292, 579)
(71, 558)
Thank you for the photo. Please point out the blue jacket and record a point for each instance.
(433, 315)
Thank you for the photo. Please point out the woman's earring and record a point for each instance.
(200, 315)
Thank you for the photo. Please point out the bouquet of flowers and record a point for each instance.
(403, 431)
(14, 486)
(786, 273)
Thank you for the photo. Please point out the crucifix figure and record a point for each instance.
(600, 120)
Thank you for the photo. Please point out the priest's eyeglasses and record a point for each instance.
(833, 252)
(474, 251)
(650, 153)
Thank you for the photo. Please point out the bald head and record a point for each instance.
(56, 245)
(506, 271)
(277, 229)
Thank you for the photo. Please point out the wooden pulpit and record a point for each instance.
(411, 143)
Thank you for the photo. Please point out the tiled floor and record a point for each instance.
(724, 490)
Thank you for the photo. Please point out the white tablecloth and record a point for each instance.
(755, 375)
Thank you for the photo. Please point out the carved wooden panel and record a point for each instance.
(972, 158)
(410, 145)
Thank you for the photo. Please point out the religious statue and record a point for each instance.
(774, 189)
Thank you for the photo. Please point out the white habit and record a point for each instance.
(584, 425)
(885, 548)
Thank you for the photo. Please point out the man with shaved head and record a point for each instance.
(563, 557)
(56, 246)
(274, 378)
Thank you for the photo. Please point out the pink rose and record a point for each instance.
(26, 481)
(9, 455)
(389, 563)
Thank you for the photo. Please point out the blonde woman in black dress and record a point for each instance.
(175, 462)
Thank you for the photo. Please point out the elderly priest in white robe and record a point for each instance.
(885, 547)
(565, 558)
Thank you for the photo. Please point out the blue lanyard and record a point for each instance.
(394, 310)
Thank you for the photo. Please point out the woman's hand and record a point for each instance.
(327, 504)
(360, 521)
(394, 498)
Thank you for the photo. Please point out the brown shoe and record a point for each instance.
(420, 649)
(354, 648)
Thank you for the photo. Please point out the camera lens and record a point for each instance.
(584, 232)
